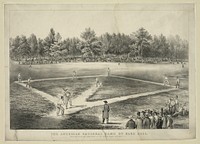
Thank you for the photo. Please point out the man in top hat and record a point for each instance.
(67, 97)
(131, 123)
(105, 112)
(169, 122)
(146, 121)
(151, 117)
(138, 121)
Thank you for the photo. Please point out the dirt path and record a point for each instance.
(156, 83)
(62, 78)
(80, 103)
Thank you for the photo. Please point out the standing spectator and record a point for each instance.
(131, 123)
(161, 112)
(28, 84)
(176, 103)
(170, 105)
(169, 122)
(105, 112)
(155, 120)
(173, 106)
(152, 121)
(164, 121)
(177, 82)
(159, 123)
(19, 77)
(143, 115)
(138, 121)
(146, 122)
(166, 108)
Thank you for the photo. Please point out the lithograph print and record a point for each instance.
(100, 72)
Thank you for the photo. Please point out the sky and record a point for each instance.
(72, 23)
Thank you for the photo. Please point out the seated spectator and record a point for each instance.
(185, 111)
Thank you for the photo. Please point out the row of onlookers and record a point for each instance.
(152, 119)
(118, 59)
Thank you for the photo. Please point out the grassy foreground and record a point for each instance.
(26, 108)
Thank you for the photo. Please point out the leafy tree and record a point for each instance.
(40, 49)
(164, 46)
(106, 43)
(139, 43)
(184, 51)
(90, 46)
(49, 43)
(14, 47)
(58, 38)
(143, 39)
(52, 36)
(32, 41)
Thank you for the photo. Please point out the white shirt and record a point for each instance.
(29, 80)
(67, 94)
(61, 102)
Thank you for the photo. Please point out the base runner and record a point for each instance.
(60, 106)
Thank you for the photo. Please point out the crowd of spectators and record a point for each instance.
(154, 119)
(118, 59)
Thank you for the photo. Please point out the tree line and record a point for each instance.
(138, 44)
